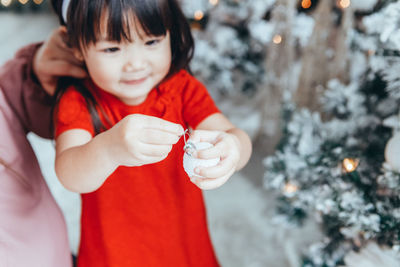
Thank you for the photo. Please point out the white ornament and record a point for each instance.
(392, 152)
(190, 162)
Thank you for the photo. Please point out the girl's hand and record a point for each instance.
(139, 139)
(226, 147)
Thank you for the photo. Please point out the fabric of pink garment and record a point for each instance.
(32, 228)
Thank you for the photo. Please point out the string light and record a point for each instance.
(38, 2)
(290, 188)
(23, 1)
(5, 3)
(350, 165)
(198, 15)
(306, 4)
(370, 52)
(277, 39)
(343, 3)
(213, 2)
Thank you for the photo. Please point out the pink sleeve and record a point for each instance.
(30, 103)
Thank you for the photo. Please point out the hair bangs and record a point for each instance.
(119, 18)
(153, 16)
(84, 22)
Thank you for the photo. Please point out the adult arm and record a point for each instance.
(24, 94)
(29, 79)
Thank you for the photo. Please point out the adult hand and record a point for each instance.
(55, 59)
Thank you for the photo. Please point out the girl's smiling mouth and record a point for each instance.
(134, 81)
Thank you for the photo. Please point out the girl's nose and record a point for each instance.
(134, 62)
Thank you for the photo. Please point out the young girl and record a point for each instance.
(118, 136)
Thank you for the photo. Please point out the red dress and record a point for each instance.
(150, 215)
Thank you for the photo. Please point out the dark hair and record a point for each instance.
(156, 17)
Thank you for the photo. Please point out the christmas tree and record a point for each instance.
(230, 43)
(239, 44)
(339, 162)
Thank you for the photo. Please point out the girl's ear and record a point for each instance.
(78, 54)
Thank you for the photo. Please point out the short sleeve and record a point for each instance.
(197, 102)
(72, 113)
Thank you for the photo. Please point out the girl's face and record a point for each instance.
(129, 70)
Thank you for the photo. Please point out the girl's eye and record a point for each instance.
(152, 42)
(111, 50)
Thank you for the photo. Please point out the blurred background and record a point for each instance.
(316, 84)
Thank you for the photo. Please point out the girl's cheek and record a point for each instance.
(105, 67)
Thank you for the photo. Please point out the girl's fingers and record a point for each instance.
(150, 122)
(207, 184)
(204, 136)
(147, 154)
(156, 150)
(216, 151)
(157, 137)
(222, 168)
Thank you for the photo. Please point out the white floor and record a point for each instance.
(240, 212)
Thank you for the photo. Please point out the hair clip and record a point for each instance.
(64, 9)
